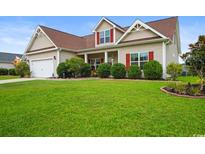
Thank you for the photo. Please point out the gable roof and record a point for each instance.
(8, 57)
(143, 25)
(110, 22)
(166, 27)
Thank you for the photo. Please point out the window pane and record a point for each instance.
(102, 37)
(97, 61)
(107, 39)
(107, 33)
(143, 56)
(134, 57)
(107, 36)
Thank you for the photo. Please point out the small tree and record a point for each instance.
(196, 59)
(22, 69)
(174, 70)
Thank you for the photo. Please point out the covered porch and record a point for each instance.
(95, 59)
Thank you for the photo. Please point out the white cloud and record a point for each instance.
(14, 36)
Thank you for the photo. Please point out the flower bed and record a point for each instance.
(184, 90)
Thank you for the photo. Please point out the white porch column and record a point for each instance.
(106, 57)
(86, 58)
(118, 56)
(164, 60)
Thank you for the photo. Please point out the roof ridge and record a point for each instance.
(60, 31)
(161, 19)
(11, 53)
(87, 35)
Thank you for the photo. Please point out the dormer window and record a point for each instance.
(105, 36)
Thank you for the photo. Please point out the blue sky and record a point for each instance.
(15, 32)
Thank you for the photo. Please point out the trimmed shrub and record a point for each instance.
(153, 70)
(76, 65)
(22, 69)
(63, 70)
(12, 71)
(174, 70)
(3, 71)
(103, 70)
(134, 72)
(118, 71)
(85, 70)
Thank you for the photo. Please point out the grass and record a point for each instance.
(191, 79)
(97, 108)
(6, 77)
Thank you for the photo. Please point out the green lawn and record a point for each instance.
(97, 108)
(6, 77)
(191, 79)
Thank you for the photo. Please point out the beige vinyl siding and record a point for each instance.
(118, 34)
(156, 47)
(41, 41)
(45, 55)
(139, 35)
(172, 54)
(103, 26)
(64, 55)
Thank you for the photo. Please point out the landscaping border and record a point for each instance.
(185, 96)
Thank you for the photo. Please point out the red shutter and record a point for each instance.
(151, 55)
(111, 35)
(98, 38)
(127, 60)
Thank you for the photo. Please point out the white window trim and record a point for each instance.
(104, 37)
(138, 54)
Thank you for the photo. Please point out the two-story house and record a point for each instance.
(109, 43)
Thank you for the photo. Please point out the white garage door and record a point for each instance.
(42, 68)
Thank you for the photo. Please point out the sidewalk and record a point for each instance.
(19, 80)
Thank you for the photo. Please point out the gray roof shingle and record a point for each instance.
(8, 57)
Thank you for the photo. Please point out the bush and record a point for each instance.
(174, 70)
(178, 87)
(103, 70)
(12, 71)
(76, 64)
(85, 70)
(3, 71)
(63, 70)
(153, 70)
(134, 72)
(22, 69)
(118, 71)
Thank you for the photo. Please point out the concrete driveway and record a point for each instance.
(19, 80)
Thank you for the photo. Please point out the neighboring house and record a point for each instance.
(109, 43)
(7, 59)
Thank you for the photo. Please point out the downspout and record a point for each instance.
(164, 58)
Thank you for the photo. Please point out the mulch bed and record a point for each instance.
(166, 90)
